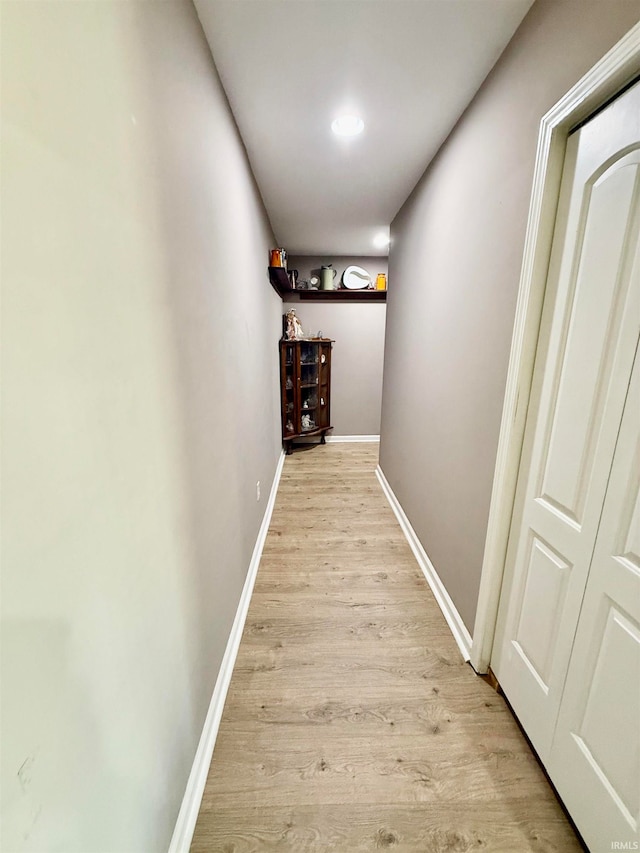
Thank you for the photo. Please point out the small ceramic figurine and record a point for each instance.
(289, 426)
(294, 327)
(307, 423)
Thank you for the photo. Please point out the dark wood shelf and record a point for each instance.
(305, 432)
(282, 286)
(343, 295)
(280, 281)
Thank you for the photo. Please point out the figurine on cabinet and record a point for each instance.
(293, 331)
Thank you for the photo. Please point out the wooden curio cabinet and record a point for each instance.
(305, 382)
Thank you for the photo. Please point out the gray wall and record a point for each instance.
(358, 352)
(454, 266)
(140, 408)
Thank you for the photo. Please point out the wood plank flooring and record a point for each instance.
(352, 723)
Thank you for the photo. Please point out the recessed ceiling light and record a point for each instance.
(381, 240)
(347, 125)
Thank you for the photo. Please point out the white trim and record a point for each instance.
(186, 822)
(449, 610)
(350, 438)
(605, 79)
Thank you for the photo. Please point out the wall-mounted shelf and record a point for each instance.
(282, 286)
(343, 295)
(280, 281)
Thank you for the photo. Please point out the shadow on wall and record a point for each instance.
(223, 323)
(224, 326)
(141, 340)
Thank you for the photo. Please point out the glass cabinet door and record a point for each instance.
(309, 384)
(288, 369)
(324, 373)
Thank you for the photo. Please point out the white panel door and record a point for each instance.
(595, 754)
(587, 342)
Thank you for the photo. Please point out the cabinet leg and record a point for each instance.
(322, 439)
(288, 448)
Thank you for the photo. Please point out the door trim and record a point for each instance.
(607, 77)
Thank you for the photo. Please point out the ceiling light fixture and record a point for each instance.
(347, 125)
(381, 240)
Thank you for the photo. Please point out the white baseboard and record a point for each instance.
(449, 611)
(186, 822)
(353, 438)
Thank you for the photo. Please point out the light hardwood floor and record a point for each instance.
(352, 723)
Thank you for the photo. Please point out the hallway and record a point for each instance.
(351, 722)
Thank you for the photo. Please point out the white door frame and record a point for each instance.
(600, 84)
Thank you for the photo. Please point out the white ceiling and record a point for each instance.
(407, 67)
